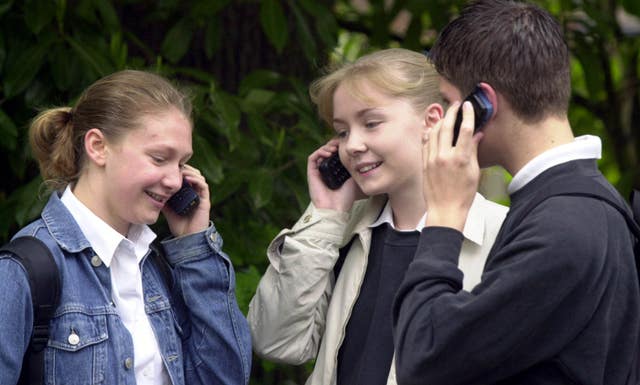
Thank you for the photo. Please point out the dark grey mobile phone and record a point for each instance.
(482, 110)
(333, 172)
(185, 200)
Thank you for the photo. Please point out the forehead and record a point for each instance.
(170, 127)
(361, 91)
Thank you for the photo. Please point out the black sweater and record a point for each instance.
(558, 303)
(367, 350)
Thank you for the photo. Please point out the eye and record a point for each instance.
(342, 134)
(372, 123)
(158, 159)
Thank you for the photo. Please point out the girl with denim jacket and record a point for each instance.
(113, 161)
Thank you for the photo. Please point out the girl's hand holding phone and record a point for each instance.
(340, 199)
(197, 219)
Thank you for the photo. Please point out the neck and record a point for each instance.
(531, 140)
(89, 191)
(408, 207)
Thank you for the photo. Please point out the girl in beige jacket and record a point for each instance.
(327, 292)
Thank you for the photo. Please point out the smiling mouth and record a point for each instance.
(156, 197)
(370, 167)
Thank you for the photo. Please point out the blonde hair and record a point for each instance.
(114, 104)
(397, 72)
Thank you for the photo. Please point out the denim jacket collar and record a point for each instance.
(62, 227)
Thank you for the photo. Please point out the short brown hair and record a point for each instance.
(518, 48)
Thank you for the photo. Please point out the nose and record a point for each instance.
(354, 143)
(173, 179)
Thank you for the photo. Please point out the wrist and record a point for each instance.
(454, 219)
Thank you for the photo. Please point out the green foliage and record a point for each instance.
(247, 65)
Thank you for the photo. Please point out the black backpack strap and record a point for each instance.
(587, 187)
(44, 282)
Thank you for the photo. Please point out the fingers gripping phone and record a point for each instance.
(482, 110)
(185, 200)
(333, 172)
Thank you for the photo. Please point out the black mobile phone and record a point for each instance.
(185, 200)
(482, 110)
(333, 172)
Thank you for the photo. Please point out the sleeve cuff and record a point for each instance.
(441, 243)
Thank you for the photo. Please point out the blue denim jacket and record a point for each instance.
(203, 336)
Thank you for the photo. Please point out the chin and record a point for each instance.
(370, 190)
(148, 219)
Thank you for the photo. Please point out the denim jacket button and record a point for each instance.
(73, 339)
(128, 363)
(96, 261)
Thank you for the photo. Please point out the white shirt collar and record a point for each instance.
(473, 227)
(582, 147)
(103, 238)
(386, 216)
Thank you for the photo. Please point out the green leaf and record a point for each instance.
(246, 284)
(274, 23)
(258, 79)
(261, 188)
(8, 132)
(108, 13)
(38, 13)
(5, 5)
(204, 156)
(207, 8)
(3, 51)
(64, 67)
(304, 35)
(257, 99)
(232, 184)
(93, 55)
(118, 50)
(212, 38)
(22, 66)
(29, 201)
(227, 111)
(326, 24)
(178, 40)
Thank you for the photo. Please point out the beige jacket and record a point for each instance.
(299, 313)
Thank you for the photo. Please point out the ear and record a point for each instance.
(95, 145)
(432, 115)
(492, 95)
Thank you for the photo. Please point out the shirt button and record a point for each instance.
(214, 237)
(306, 219)
(128, 363)
(96, 261)
(73, 339)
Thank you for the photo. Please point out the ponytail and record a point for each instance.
(55, 147)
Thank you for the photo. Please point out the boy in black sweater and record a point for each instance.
(559, 301)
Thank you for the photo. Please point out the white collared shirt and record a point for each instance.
(473, 229)
(582, 147)
(122, 256)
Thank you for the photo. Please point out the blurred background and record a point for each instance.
(248, 64)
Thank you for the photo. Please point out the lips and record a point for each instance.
(368, 167)
(156, 197)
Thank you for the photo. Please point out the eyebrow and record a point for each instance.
(171, 151)
(359, 114)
